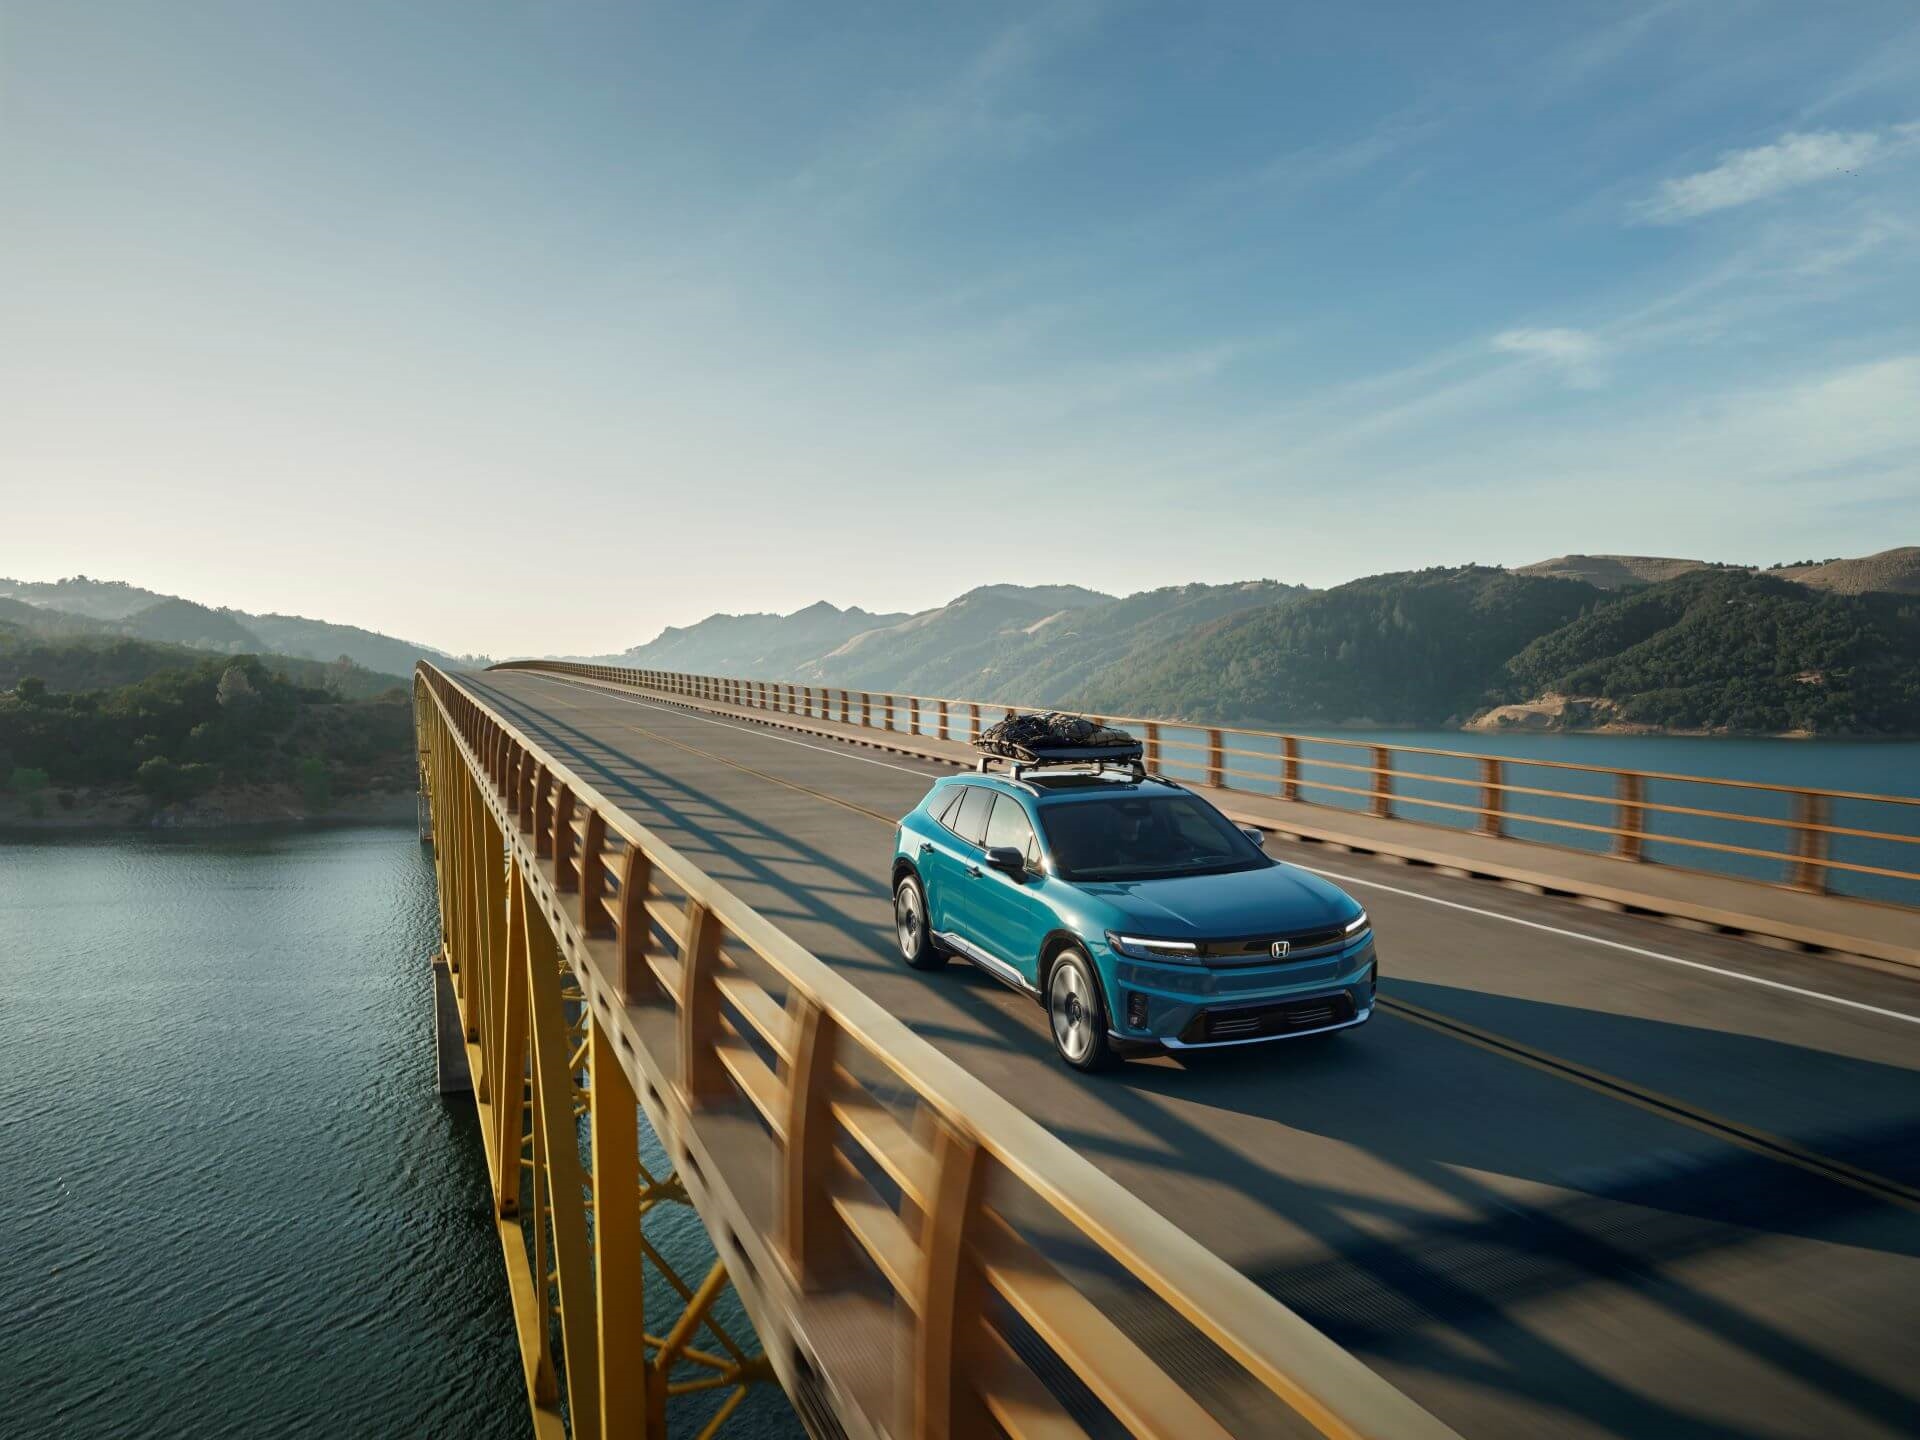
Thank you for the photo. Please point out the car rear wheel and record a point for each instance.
(1076, 1013)
(910, 925)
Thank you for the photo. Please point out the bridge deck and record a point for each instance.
(1521, 1248)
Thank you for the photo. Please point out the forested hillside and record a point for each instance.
(1418, 648)
(756, 644)
(222, 724)
(1053, 661)
(102, 662)
(81, 606)
(1738, 651)
(950, 650)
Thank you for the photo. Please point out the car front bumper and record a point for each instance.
(1203, 1008)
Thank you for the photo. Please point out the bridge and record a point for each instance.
(1632, 1149)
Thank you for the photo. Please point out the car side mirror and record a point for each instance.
(1008, 859)
(1256, 835)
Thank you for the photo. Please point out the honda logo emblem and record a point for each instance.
(1279, 949)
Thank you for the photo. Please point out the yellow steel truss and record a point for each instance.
(562, 1130)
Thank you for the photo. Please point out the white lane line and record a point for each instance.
(1617, 945)
(843, 751)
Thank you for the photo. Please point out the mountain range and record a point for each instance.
(1827, 646)
(81, 607)
(1579, 641)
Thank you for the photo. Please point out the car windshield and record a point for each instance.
(1144, 837)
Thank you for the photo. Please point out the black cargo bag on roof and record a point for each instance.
(1057, 736)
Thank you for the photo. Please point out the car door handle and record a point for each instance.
(973, 872)
(926, 847)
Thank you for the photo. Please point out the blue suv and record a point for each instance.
(1138, 914)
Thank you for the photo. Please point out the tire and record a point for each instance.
(1077, 1012)
(910, 925)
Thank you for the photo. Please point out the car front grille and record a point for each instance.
(1258, 949)
(1257, 1022)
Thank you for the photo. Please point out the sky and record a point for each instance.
(534, 327)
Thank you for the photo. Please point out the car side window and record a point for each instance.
(948, 806)
(1009, 826)
(970, 821)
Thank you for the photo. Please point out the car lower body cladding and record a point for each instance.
(1193, 1008)
(999, 969)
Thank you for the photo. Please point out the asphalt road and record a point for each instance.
(1521, 1248)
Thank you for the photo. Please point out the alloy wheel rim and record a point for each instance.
(906, 918)
(1072, 1015)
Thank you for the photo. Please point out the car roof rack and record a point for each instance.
(1025, 760)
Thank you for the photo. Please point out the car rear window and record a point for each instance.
(945, 805)
(1144, 837)
(970, 821)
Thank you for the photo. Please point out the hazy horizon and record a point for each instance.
(540, 331)
(878, 608)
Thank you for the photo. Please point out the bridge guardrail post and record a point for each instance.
(634, 978)
(952, 1297)
(1493, 799)
(527, 782)
(866, 710)
(943, 721)
(1629, 818)
(913, 714)
(543, 813)
(566, 872)
(1289, 767)
(975, 721)
(1216, 759)
(1383, 782)
(703, 1078)
(810, 1230)
(1810, 843)
(593, 877)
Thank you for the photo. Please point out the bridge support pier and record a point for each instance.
(449, 1041)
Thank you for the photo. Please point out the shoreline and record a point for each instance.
(119, 811)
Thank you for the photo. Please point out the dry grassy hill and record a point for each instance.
(1894, 571)
(1612, 572)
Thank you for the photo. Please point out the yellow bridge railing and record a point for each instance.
(1707, 823)
(918, 1256)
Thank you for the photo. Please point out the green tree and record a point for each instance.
(235, 691)
(167, 783)
(29, 782)
(316, 783)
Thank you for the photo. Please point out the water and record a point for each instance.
(1331, 773)
(238, 1207)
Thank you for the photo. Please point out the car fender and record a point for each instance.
(1050, 947)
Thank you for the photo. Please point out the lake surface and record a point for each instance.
(1862, 766)
(238, 1207)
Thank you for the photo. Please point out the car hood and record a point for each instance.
(1274, 899)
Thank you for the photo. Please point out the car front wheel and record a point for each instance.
(1076, 1013)
(910, 925)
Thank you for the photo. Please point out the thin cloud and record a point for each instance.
(1574, 353)
(1744, 176)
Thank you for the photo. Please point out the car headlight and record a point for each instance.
(1356, 925)
(1167, 952)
